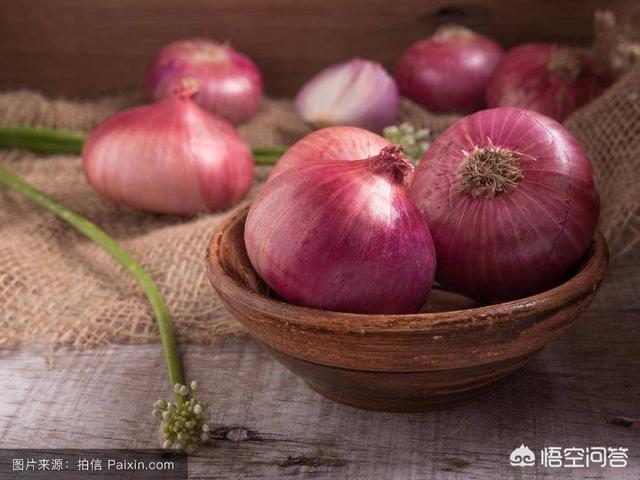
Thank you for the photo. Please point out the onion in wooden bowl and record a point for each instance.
(452, 352)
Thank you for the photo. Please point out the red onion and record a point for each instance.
(328, 144)
(343, 235)
(510, 199)
(170, 157)
(229, 83)
(449, 71)
(359, 93)
(551, 79)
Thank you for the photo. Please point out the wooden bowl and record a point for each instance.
(416, 362)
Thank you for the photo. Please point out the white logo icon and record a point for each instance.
(522, 457)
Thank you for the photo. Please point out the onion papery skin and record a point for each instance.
(519, 242)
(229, 82)
(333, 143)
(449, 71)
(342, 236)
(359, 93)
(329, 144)
(524, 79)
(168, 157)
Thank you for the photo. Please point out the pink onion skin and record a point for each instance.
(519, 242)
(329, 144)
(524, 80)
(343, 236)
(359, 93)
(333, 143)
(449, 71)
(229, 82)
(168, 157)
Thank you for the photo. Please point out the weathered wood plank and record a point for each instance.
(81, 48)
(581, 391)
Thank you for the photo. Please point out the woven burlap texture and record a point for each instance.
(58, 288)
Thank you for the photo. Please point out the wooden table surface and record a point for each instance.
(582, 391)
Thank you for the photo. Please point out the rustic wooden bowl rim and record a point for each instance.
(586, 279)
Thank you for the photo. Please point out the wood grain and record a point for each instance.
(580, 391)
(83, 49)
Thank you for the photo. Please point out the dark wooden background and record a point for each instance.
(81, 48)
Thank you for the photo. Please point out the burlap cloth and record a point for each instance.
(58, 288)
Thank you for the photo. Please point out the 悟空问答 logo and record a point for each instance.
(522, 457)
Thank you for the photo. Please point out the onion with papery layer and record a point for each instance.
(328, 144)
(510, 199)
(550, 79)
(449, 71)
(358, 92)
(343, 235)
(169, 157)
(229, 83)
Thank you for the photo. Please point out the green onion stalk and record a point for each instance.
(414, 142)
(53, 141)
(184, 422)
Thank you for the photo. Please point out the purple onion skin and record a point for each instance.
(524, 80)
(519, 242)
(343, 236)
(168, 157)
(329, 144)
(449, 71)
(229, 82)
(359, 93)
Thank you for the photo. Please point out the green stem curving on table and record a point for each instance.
(184, 424)
(99, 236)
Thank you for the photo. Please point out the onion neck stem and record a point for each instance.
(52, 141)
(566, 64)
(99, 236)
(391, 160)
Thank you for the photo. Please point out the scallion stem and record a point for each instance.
(99, 236)
(269, 151)
(48, 140)
(41, 140)
(266, 159)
